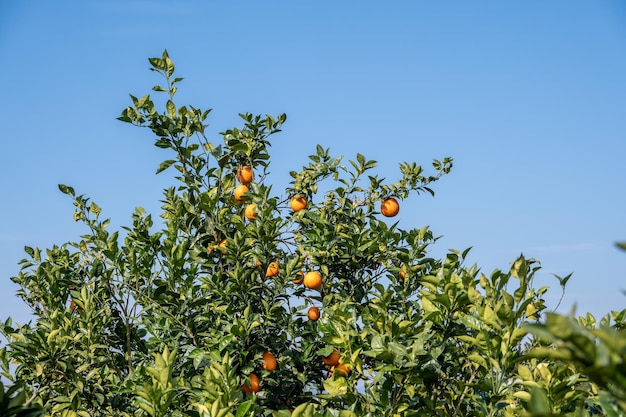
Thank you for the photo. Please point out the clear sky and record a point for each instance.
(528, 97)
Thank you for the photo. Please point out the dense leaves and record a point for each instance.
(175, 315)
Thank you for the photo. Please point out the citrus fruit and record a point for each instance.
(250, 212)
(402, 272)
(300, 278)
(240, 191)
(389, 207)
(245, 175)
(297, 202)
(253, 385)
(313, 313)
(342, 370)
(332, 359)
(269, 361)
(272, 269)
(313, 280)
(74, 306)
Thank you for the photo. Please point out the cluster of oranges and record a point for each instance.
(311, 280)
(336, 367)
(269, 364)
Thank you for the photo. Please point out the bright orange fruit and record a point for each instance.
(250, 212)
(313, 280)
(332, 359)
(272, 270)
(389, 207)
(297, 202)
(342, 370)
(253, 385)
(300, 278)
(245, 175)
(269, 361)
(240, 191)
(313, 313)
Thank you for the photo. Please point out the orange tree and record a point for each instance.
(240, 302)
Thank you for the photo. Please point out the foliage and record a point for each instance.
(15, 404)
(597, 354)
(172, 316)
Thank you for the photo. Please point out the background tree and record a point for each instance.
(237, 301)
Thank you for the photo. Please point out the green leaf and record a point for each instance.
(171, 108)
(608, 404)
(163, 143)
(66, 189)
(336, 386)
(165, 165)
(244, 408)
(539, 404)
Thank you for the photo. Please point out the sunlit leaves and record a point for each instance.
(172, 315)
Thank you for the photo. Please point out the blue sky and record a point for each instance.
(527, 97)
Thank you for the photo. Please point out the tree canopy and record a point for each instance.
(239, 301)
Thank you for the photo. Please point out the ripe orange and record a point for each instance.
(313, 313)
(300, 278)
(269, 361)
(240, 191)
(272, 269)
(245, 175)
(332, 359)
(389, 207)
(342, 370)
(257, 263)
(250, 212)
(313, 280)
(74, 306)
(297, 202)
(253, 385)
(402, 272)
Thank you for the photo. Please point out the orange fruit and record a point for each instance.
(389, 207)
(313, 280)
(269, 361)
(245, 175)
(297, 202)
(250, 212)
(272, 269)
(253, 385)
(300, 278)
(332, 359)
(257, 263)
(74, 306)
(313, 313)
(240, 191)
(402, 272)
(342, 370)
